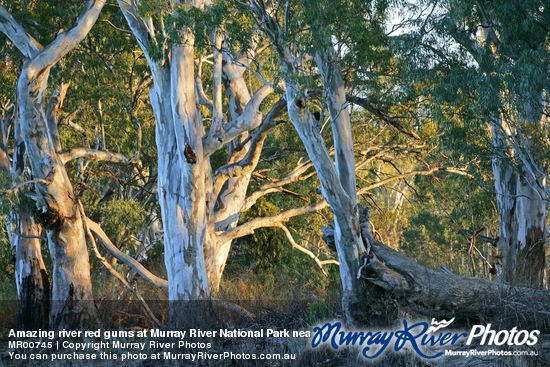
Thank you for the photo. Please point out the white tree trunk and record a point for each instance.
(183, 219)
(31, 278)
(58, 208)
(192, 211)
(327, 61)
(338, 183)
(230, 200)
(522, 218)
(348, 239)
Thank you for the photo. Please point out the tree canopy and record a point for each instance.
(362, 153)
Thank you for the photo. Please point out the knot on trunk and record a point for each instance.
(300, 103)
(189, 154)
(51, 215)
(328, 236)
(378, 273)
(364, 224)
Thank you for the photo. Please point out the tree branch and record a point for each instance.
(294, 176)
(248, 120)
(203, 98)
(25, 183)
(96, 155)
(27, 45)
(136, 23)
(52, 113)
(117, 275)
(251, 159)
(66, 41)
(363, 102)
(305, 250)
(429, 172)
(271, 221)
(128, 260)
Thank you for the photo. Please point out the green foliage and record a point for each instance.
(122, 219)
(421, 78)
(318, 311)
(6, 256)
(201, 22)
(263, 248)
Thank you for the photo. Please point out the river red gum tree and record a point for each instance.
(58, 209)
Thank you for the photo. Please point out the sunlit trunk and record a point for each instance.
(57, 209)
(31, 278)
(347, 232)
(181, 182)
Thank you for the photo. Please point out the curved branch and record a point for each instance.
(66, 41)
(136, 23)
(203, 98)
(382, 115)
(294, 176)
(271, 221)
(128, 260)
(306, 251)
(96, 155)
(248, 120)
(252, 157)
(52, 113)
(117, 275)
(274, 220)
(429, 172)
(25, 183)
(27, 45)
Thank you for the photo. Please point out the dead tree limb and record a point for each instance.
(422, 291)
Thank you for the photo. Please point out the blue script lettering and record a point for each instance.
(338, 338)
(378, 338)
(406, 335)
(321, 334)
(376, 343)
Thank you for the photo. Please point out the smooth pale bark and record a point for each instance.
(338, 186)
(349, 242)
(522, 213)
(327, 61)
(183, 241)
(229, 202)
(181, 164)
(31, 278)
(58, 209)
(522, 218)
(348, 239)
(192, 210)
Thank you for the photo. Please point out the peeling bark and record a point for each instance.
(31, 277)
(57, 208)
(193, 208)
(522, 217)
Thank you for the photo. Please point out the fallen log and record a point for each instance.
(408, 287)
